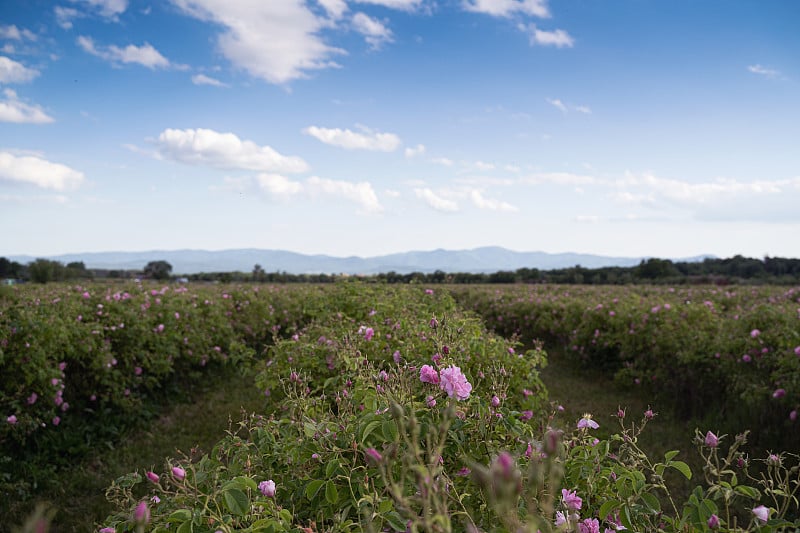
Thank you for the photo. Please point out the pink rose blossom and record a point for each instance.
(179, 473)
(455, 383)
(571, 500)
(762, 513)
(267, 488)
(428, 374)
(712, 441)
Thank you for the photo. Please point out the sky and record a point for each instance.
(367, 127)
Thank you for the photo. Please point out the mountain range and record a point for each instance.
(486, 259)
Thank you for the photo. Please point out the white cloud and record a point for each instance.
(763, 71)
(144, 55)
(507, 8)
(276, 41)
(350, 140)
(14, 72)
(587, 219)
(334, 8)
(490, 204)
(414, 151)
(106, 8)
(403, 5)
(278, 185)
(436, 202)
(362, 193)
(583, 109)
(65, 16)
(223, 150)
(557, 38)
(391, 193)
(444, 161)
(202, 79)
(374, 31)
(559, 178)
(38, 171)
(15, 34)
(12, 109)
(555, 102)
(483, 166)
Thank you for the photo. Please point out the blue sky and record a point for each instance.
(365, 127)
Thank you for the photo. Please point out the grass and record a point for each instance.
(192, 427)
(587, 391)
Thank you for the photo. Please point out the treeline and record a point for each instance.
(773, 270)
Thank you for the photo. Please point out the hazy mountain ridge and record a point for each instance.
(486, 259)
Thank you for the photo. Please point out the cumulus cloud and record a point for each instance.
(490, 204)
(555, 102)
(763, 71)
(274, 41)
(144, 55)
(557, 38)
(334, 8)
(435, 201)
(223, 150)
(350, 140)
(507, 8)
(202, 79)
(414, 151)
(403, 5)
(105, 8)
(13, 33)
(444, 161)
(12, 109)
(583, 109)
(560, 178)
(373, 30)
(361, 193)
(65, 16)
(13, 72)
(38, 171)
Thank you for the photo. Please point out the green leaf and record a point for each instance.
(330, 468)
(236, 501)
(390, 431)
(683, 468)
(750, 492)
(181, 515)
(651, 502)
(607, 508)
(385, 506)
(285, 516)
(331, 494)
(670, 455)
(186, 527)
(395, 521)
(313, 488)
(309, 429)
(372, 426)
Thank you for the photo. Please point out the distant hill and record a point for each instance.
(486, 259)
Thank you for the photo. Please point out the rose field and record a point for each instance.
(402, 408)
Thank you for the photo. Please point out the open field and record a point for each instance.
(388, 406)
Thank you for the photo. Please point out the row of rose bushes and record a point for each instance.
(395, 411)
(733, 353)
(81, 363)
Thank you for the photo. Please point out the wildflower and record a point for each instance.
(495, 401)
(430, 401)
(620, 413)
(108, 530)
(396, 356)
(178, 472)
(779, 393)
(587, 422)
(374, 454)
(713, 522)
(152, 476)
(773, 460)
(267, 488)
(369, 333)
(464, 472)
(526, 415)
(755, 333)
(793, 415)
(142, 513)
(155, 499)
(32, 398)
(434, 323)
(571, 500)
(589, 525)
(649, 414)
(428, 374)
(762, 513)
(560, 519)
(428, 291)
(712, 441)
(454, 382)
(11, 420)
(746, 358)
(56, 420)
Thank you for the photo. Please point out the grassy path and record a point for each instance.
(196, 424)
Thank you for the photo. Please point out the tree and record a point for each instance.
(158, 270)
(258, 273)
